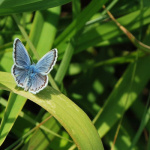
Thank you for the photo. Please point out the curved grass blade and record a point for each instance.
(73, 119)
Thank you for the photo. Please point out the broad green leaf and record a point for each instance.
(73, 119)
(9, 6)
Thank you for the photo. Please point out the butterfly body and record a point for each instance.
(31, 77)
(31, 73)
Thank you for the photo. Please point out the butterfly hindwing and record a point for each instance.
(20, 54)
(46, 63)
(39, 82)
(20, 75)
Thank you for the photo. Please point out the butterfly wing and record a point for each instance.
(46, 63)
(22, 63)
(20, 75)
(39, 82)
(20, 54)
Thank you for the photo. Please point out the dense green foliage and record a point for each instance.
(100, 74)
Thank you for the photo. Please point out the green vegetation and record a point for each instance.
(98, 92)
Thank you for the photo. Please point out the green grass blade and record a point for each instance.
(120, 60)
(69, 50)
(8, 6)
(45, 22)
(15, 104)
(80, 21)
(73, 119)
(24, 33)
(116, 102)
(65, 63)
(109, 33)
(115, 105)
(41, 136)
(131, 37)
(145, 119)
(76, 8)
(33, 121)
(148, 147)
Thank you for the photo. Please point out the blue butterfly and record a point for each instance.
(31, 77)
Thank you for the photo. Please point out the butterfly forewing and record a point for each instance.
(20, 54)
(46, 63)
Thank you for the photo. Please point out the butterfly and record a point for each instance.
(31, 77)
